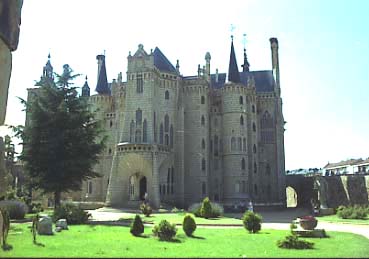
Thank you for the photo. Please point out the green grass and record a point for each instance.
(336, 219)
(177, 218)
(116, 241)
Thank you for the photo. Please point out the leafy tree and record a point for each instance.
(61, 139)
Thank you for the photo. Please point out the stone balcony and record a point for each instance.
(142, 147)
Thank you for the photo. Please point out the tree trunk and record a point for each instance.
(57, 197)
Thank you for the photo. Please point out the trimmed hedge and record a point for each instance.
(189, 225)
(16, 209)
(352, 212)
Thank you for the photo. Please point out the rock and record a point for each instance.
(44, 226)
(58, 229)
(62, 223)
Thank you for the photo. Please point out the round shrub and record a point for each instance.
(165, 231)
(16, 209)
(146, 209)
(252, 221)
(206, 210)
(72, 213)
(189, 225)
(137, 227)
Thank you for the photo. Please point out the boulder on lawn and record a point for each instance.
(45, 226)
(58, 229)
(62, 223)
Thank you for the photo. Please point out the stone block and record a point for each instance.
(62, 223)
(44, 226)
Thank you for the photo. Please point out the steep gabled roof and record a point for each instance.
(162, 63)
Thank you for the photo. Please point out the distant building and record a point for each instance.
(182, 138)
(351, 166)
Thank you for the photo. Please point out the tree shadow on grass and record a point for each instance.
(7, 247)
(39, 244)
(197, 237)
(173, 240)
(143, 236)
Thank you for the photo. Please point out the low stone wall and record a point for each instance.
(348, 189)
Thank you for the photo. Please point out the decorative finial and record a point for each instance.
(232, 29)
(244, 41)
(86, 77)
(48, 56)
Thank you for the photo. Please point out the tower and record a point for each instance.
(275, 59)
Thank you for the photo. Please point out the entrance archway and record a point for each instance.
(143, 187)
(291, 196)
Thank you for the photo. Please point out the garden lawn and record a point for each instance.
(116, 241)
(177, 218)
(336, 219)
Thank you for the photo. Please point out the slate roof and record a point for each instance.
(102, 86)
(344, 163)
(162, 63)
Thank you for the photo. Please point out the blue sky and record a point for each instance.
(324, 56)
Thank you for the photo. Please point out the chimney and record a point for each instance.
(275, 59)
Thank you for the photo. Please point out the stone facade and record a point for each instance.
(180, 139)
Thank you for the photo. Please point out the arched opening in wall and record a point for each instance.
(291, 197)
(143, 187)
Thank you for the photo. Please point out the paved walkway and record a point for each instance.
(271, 220)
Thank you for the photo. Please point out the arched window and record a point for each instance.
(203, 144)
(237, 187)
(138, 117)
(139, 86)
(254, 127)
(138, 136)
(161, 139)
(166, 138)
(241, 100)
(109, 151)
(202, 120)
(144, 132)
(241, 120)
(255, 168)
(111, 124)
(166, 123)
(239, 141)
(202, 99)
(203, 164)
(203, 188)
(253, 108)
(254, 149)
(166, 95)
(244, 144)
(159, 188)
(171, 137)
(243, 164)
(233, 144)
(267, 169)
(131, 131)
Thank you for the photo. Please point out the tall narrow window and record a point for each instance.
(138, 117)
(161, 134)
(243, 164)
(241, 100)
(254, 149)
(220, 145)
(138, 136)
(267, 169)
(144, 132)
(171, 137)
(253, 108)
(139, 88)
(244, 144)
(255, 168)
(203, 144)
(241, 120)
(166, 123)
(168, 176)
(131, 131)
(202, 99)
(216, 145)
(166, 95)
(154, 126)
(89, 187)
(166, 139)
(203, 164)
(233, 144)
(253, 127)
(202, 120)
(239, 140)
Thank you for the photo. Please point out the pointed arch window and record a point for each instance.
(233, 144)
(241, 121)
(241, 99)
(144, 132)
(138, 117)
(171, 137)
(202, 120)
(166, 95)
(203, 144)
(239, 141)
(253, 108)
(266, 121)
(203, 164)
(202, 99)
(161, 139)
(254, 149)
(166, 123)
(243, 164)
(255, 168)
(253, 127)
(139, 83)
(244, 144)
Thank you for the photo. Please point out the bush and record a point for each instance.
(189, 225)
(195, 209)
(165, 231)
(72, 213)
(206, 210)
(291, 241)
(16, 209)
(146, 209)
(137, 227)
(252, 221)
(352, 212)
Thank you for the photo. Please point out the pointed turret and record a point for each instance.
(246, 64)
(85, 89)
(102, 86)
(48, 69)
(233, 73)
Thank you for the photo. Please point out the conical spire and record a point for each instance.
(102, 86)
(85, 89)
(233, 73)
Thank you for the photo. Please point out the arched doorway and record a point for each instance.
(143, 187)
(291, 197)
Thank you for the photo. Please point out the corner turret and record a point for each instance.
(85, 89)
